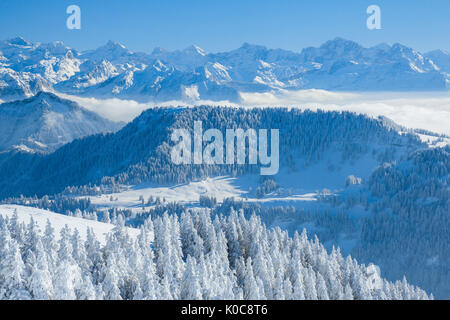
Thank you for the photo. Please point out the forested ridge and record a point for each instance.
(140, 152)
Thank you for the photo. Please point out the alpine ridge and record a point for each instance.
(192, 74)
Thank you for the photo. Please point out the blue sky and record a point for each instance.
(223, 25)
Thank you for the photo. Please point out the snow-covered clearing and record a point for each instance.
(299, 188)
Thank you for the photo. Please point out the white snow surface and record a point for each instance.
(299, 189)
(189, 193)
(58, 221)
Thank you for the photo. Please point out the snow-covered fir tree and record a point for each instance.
(231, 257)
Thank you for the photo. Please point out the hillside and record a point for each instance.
(140, 152)
(59, 221)
(45, 122)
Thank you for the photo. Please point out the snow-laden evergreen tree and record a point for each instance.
(190, 285)
(12, 273)
(40, 283)
(237, 258)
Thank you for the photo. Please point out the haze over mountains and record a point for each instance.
(191, 74)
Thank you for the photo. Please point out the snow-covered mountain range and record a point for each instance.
(191, 74)
(45, 122)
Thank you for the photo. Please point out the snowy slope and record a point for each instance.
(58, 221)
(299, 189)
(441, 58)
(18, 85)
(45, 122)
(188, 194)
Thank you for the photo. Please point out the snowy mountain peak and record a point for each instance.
(252, 48)
(42, 95)
(50, 99)
(442, 59)
(193, 49)
(113, 50)
(382, 47)
(19, 42)
(398, 47)
(113, 45)
(341, 43)
(341, 47)
(110, 51)
(45, 122)
(158, 50)
(55, 48)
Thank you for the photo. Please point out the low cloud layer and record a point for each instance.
(112, 109)
(126, 110)
(429, 111)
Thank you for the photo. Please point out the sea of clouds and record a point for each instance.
(429, 111)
